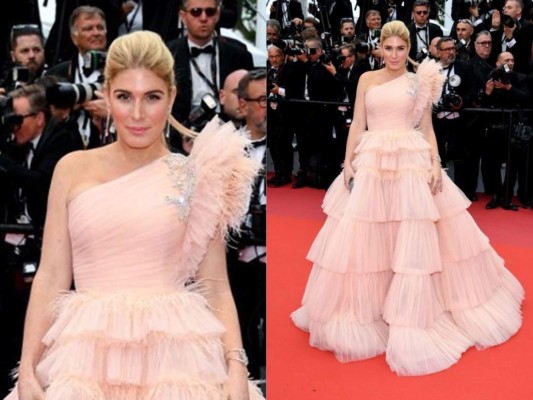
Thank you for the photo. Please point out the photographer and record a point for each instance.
(288, 13)
(464, 30)
(503, 89)
(450, 128)
(510, 32)
(369, 41)
(347, 71)
(88, 33)
(27, 162)
(315, 139)
(347, 31)
(27, 57)
(247, 252)
(421, 31)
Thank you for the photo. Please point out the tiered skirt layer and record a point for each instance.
(400, 271)
(134, 345)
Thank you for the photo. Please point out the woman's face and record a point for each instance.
(395, 51)
(139, 102)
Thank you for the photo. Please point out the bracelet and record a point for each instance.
(240, 357)
(436, 158)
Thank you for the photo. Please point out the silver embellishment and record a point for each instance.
(184, 181)
(413, 83)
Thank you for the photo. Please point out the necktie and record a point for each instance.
(196, 51)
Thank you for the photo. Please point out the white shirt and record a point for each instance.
(199, 85)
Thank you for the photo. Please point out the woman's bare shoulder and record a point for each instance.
(369, 78)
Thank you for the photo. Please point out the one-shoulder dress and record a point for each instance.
(138, 325)
(396, 269)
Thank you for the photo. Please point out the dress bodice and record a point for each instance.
(390, 105)
(127, 233)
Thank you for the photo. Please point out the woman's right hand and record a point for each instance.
(348, 174)
(29, 388)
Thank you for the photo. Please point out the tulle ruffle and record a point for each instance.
(429, 87)
(400, 270)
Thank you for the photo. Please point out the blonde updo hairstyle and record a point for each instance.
(144, 50)
(141, 49)
(395, 28)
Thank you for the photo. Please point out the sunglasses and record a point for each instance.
(24, 29)
(197, 11)
(484, 44)
(262, 101)
(465, 21)
(421, 12)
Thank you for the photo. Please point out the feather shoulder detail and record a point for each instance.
(224, 176)
(429, 87)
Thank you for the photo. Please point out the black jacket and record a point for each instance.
(58, 139)
(231, 58)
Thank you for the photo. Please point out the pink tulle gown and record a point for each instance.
(137, 328)
(396, 269)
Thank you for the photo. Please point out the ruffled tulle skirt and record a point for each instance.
(400, 271)
(134, 345)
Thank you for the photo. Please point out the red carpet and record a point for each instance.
(297, 371)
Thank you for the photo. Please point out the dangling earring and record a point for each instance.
(109, 127)
(167, 130)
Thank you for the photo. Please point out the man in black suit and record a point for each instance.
(513, 33)
(347, 77)
(288, 13)
(203, 59)
(449, 125)
(421, 31)
(88, 33)
(39, 142)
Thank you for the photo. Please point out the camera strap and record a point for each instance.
(213, 82)
(128, 23)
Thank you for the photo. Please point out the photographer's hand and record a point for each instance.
(496, 19)
(331, 68)
(489, 87)
(297, 21)
(502, 86)
(474, 11)
(97, 108)
(275, 88)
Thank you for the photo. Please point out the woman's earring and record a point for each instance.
(167, 130)
(109, 129)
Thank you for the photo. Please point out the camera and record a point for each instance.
(365, 47)
(20, 74)
(93, 61)
(255, 233)
(451, 100)
(471, 3)
(67, 95)
(421, 55)
(501, 74)
(204, 112)
(8, 119)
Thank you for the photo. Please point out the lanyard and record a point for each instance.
(426, 34)
(213, 82)
(129, 24)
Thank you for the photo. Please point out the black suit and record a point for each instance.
(521, 50)
(57, 140)
(432, 29)
(451, 129)
(231, 58)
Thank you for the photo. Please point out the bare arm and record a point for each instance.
(54, 275)
(426, 126)
(213, 273)
(359, 120)
(357, 127)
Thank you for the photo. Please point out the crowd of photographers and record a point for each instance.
(483, 120)
(50, 105)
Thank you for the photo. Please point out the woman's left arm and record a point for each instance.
(213, 275)
(426, 125)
